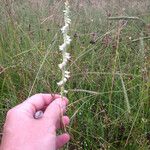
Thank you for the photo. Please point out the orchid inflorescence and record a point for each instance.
(63, 48)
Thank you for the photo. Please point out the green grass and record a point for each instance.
(104, 74)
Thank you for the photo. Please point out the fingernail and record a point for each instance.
(64, 102)
(38, 114)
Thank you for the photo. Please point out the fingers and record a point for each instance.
(38, 102)
(62, 140)
(64, 121)
(55, 111)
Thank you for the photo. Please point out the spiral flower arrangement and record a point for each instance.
(63, 48)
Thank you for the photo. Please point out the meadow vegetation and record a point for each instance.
(109, 87)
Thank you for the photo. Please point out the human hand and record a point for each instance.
(23, 132)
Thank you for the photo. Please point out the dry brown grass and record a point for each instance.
(140, 5)
(135, 5)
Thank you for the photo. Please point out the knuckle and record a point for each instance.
(38, 94)
(10, 113)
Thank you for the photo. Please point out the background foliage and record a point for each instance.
(110, 66)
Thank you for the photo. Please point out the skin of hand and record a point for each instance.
(23, 132)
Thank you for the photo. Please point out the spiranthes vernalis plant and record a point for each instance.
(63, 48)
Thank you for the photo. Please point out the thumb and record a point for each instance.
(56, 110)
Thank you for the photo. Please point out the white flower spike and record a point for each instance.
(63, 49)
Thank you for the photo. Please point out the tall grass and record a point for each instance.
(107, 81)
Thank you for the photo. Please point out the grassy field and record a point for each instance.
(109, 88)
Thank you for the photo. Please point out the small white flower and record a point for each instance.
(61, 65)
(64, 28)
(65, 60)
(68, 40)
(64, 80)
(67, 72)
(67, 55)
(62, 47)
(68, 20)
(67, 76)
(65, 91)
(60, 83)
(65, 12)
